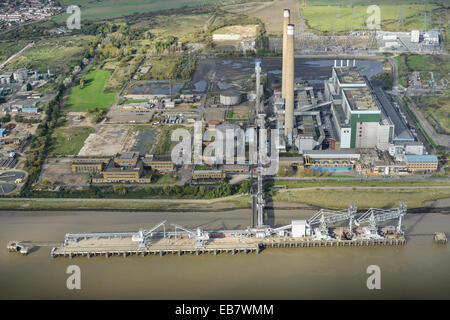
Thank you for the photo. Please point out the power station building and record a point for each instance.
(357, 114)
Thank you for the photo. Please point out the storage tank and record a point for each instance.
(230, 97)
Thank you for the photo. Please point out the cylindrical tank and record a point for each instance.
(230, 97)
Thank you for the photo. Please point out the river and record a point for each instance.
(420, 269)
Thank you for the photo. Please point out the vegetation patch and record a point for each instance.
(362, 198)
(91, 95)
(103, 9)
(69, 140)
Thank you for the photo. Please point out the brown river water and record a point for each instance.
(420, 269)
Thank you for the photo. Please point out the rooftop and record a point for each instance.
(111, 167)
(349, 75)
(360, 100)
(427, 158)
(127, 155)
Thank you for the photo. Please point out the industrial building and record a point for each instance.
(114, 173)
(123, 167)
(128, 159)
(421, 163)
(87, 167)
(331, 160)
(357, 114)
(205, 175)
(399, 149)
(346, 114)
(159, 163)
(236, 168)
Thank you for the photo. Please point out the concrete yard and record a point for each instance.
(118, 114)
(59, 171)
(108, 140)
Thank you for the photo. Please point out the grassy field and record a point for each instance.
(336, 19)
(364, 199)
(185, 27)
(7, 49)
(92, 95)
(163, 67)
(270, 12)
(69, 141)
(69, 204)
(103, 9)
(436, 108)
(120, 72)
(358, 183)
(417, 62)
(59, 55)
(165, 179)
(165, 144)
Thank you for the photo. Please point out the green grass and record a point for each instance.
(92, 95)
(165, 179)
(419, 62)
(104, 9)
(438, 107)
(60, 204)
(419, 124)
(165, 143)
(7, 49)
(60, 55)
(290, 184)
(402, 73)
(134, 101)
(364, 199)
(330, 17)
(69, 141)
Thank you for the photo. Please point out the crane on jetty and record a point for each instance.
(324, 217)
(374, 216)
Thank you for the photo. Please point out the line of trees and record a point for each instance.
(175, 192)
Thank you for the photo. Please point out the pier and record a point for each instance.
(126, 247)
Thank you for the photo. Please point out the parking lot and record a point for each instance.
(119, 114)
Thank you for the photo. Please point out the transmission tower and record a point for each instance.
(425, 16)
(401, 19)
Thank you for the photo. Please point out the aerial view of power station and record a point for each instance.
(224, 150)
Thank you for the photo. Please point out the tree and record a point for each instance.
(6, 118)
(120, 190)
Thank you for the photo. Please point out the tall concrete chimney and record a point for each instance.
(289, 99)
(286, 21)
(258, 85)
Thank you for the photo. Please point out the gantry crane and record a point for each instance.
(144, 233)
(374, 216)
(325, 217)
(199, 234)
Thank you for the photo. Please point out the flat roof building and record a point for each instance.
(427, 162)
